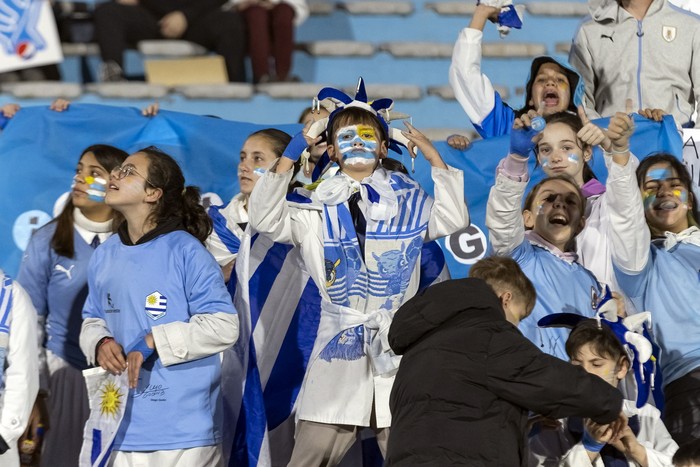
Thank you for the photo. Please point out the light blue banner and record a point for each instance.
(39, 150)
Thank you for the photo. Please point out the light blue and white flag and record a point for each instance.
(107, 395)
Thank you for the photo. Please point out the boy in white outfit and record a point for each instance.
(360, 234)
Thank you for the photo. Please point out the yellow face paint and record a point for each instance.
(366, 132)
(89, 180)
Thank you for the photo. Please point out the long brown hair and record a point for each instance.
(178, 201)
(108, 157)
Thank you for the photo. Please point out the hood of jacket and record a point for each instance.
(608, 10)
(575, 81)
(426, 312)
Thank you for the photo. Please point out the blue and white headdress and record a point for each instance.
(633, 332)
(380, 108)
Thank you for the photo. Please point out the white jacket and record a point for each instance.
(22, 367)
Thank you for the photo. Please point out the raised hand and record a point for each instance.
(591, 134)
(458, 141)
(419, 140)
(620, 129)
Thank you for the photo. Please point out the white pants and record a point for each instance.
(206, 456)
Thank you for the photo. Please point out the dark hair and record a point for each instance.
(108, 157)
(178, 201)
(602, 340)
(574, 122)
(688, 454)
(683, 175)
(278, 139)
(394, 165)
(355, 116)
(503, 273)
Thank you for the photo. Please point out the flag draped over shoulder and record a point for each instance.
(107, 396)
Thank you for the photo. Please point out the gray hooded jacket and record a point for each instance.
(655, 61)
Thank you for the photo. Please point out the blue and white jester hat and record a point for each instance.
(378, 107)
(633, 333)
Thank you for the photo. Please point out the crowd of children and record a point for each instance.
(477, 371)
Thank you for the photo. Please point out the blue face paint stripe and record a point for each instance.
(659, 174)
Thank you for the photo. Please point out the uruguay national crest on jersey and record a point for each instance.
(156, 305)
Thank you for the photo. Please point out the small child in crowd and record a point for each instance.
(645, 441)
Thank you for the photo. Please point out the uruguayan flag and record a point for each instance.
(279, 309)
(107, 395)
(156, 305)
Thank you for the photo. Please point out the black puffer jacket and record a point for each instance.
(468, 378)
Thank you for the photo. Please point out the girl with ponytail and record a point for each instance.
(159, 310)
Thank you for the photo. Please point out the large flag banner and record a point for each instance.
(107, 396)
(28, 35)
(40, 150)
(691, 156)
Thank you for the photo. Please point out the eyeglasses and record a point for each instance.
(125, 171)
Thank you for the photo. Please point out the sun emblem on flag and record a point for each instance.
(111, 399)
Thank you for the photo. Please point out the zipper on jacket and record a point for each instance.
(678, 106)
(640, 33)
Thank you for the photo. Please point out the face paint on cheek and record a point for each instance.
(574, 158)
(97, 189)
(681, 194)
(649, 198)
(544, 160)
(259, 171)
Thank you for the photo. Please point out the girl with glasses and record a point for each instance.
(159, 310)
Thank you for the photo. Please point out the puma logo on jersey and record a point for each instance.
(68, 271)
(608, 37)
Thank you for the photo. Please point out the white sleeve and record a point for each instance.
(473, 89)
(268, 212)
(629, 234)
(22, 369)
(92, 330)
(578, 457)
(205, 334)
(449, 213)
(661, 448)
(504, 217)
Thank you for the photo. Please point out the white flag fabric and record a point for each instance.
(107, 395)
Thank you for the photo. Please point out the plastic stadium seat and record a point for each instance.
(562, 47)
(338, 48)
(397, 91)
(80, 49)
(512, 49)
(418, 49)
(557, 8)
(321, 8)
(446, 92)
(452, 8)
(290, 90)
(128, 90)
(170, 48)
(378, 8)
(441, 134)
(216, 91)
(43, 89)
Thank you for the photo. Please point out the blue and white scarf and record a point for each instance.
(5, 310)
(397, 211)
